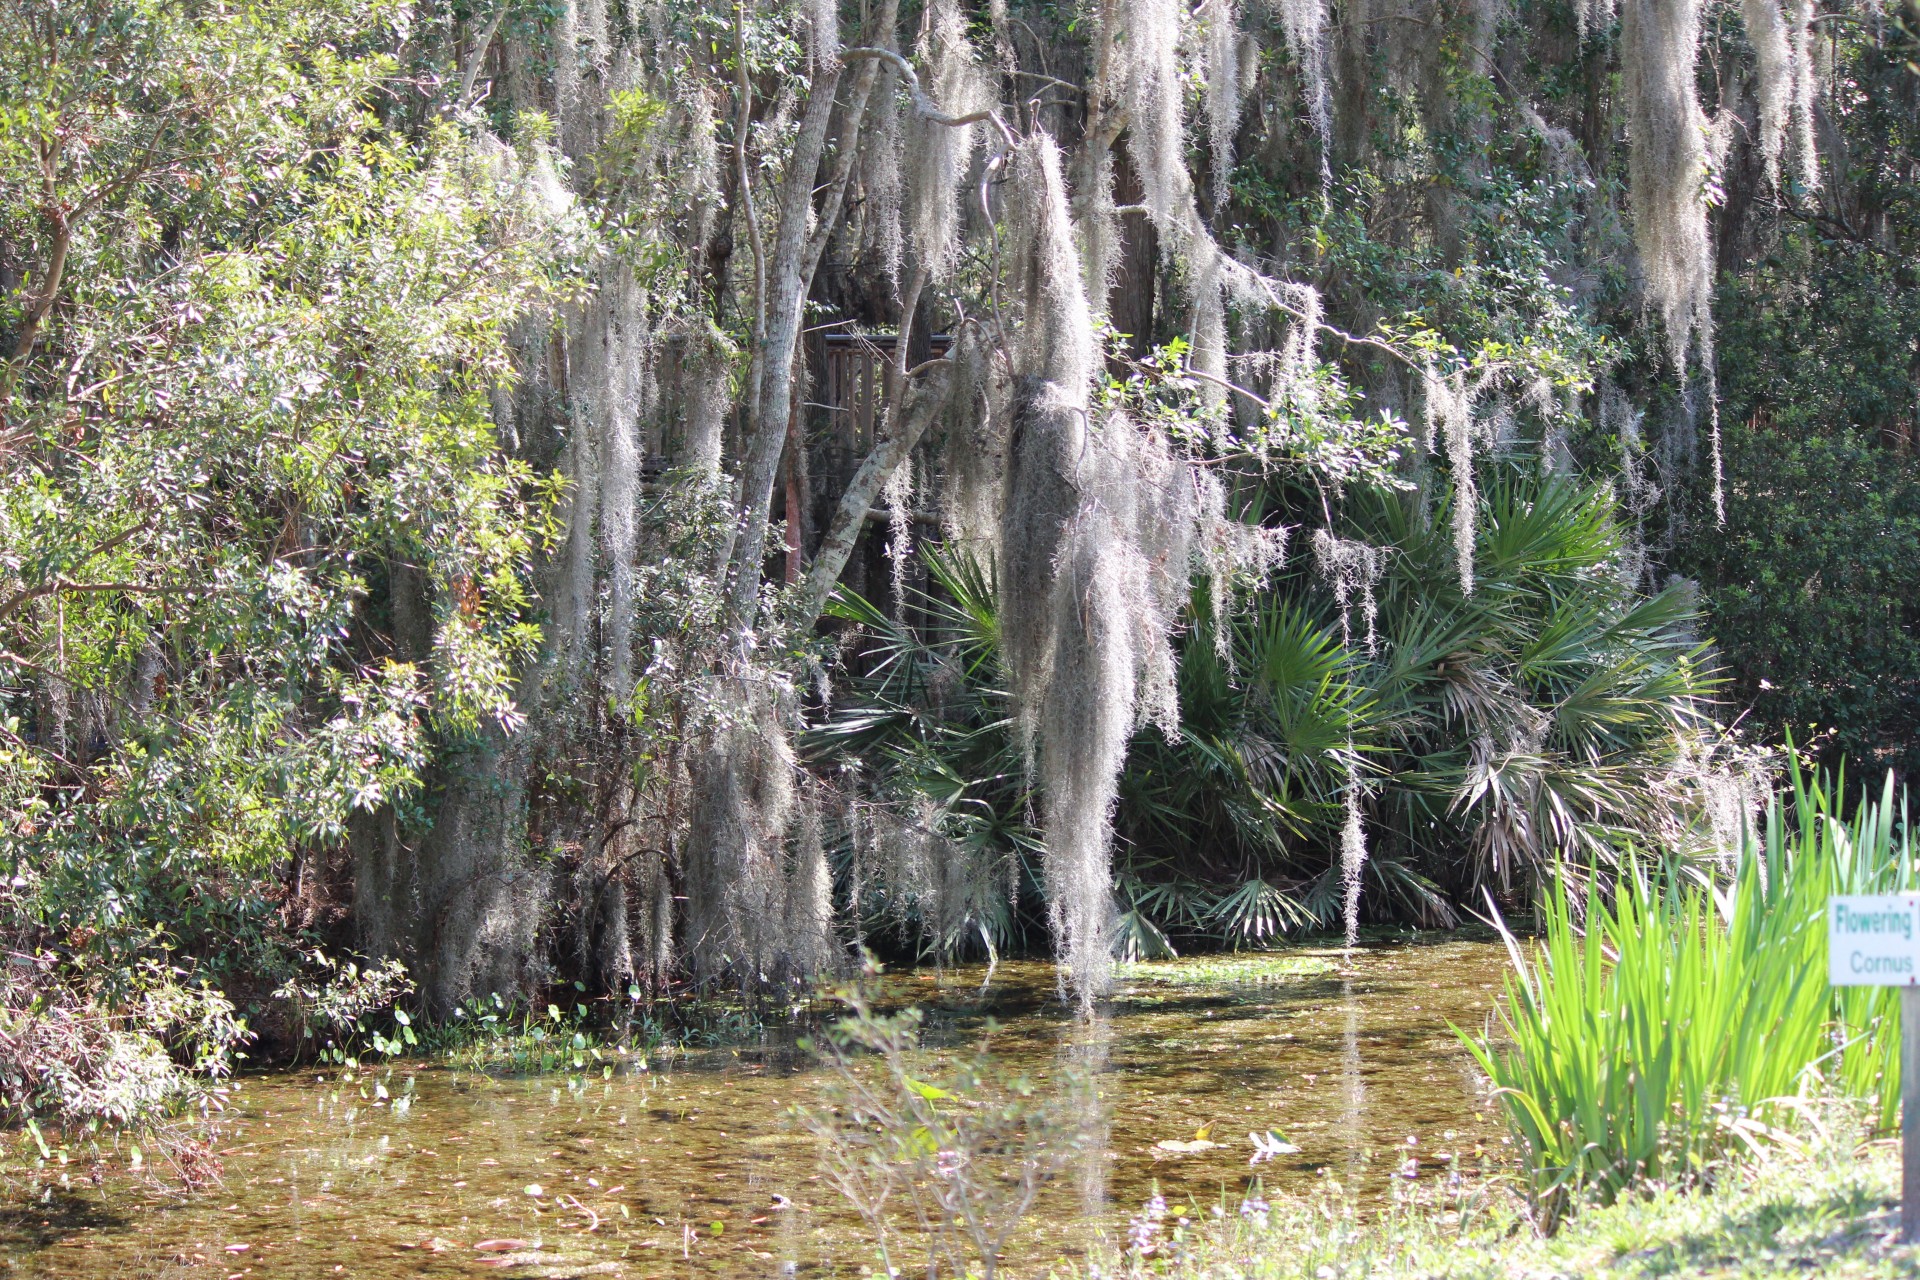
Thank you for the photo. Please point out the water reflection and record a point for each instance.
(698, 1172)
(1085, 1045)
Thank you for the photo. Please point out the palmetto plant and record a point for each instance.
(926, 717)
(1537, 723)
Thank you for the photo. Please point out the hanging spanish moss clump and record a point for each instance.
(1805, 83)
(1086, 721)
(1305, 25)
(1554, 413)
(1773, 78)
(882, 180)
(1208, 338)
(1639, 492)
(735, 865)
(1097, 533)
(1042, 497)
(941, 154)
(1349, 566)
(1723, 787)
(897, 495)
(810, 891)
(1449, 422)
(927, 880)
(569, 91)
(1713, 444)
(1227, 551)
(1285, 367)
(1784, 84)
(1353, 852)
(1593, 16)
(1225, 87)
(1299, 354)
(1668, 164)
(1155, 109)
(1057, 362)
(611, 385)
(706, 366)
(697, 161)
(973, 455)
(1098, 222)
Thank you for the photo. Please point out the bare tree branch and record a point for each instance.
(924, 403)
(922, 101)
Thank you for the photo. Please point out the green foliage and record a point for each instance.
(1813, 588)
(1663, 1026)
(265, 386)
(252, 335)
(87, 1046)
(331, 1004)
(504, 1037)
(1321, 426)
(1812, 583)
(1539, 719)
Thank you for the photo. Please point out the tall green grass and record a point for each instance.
(1677, 1017)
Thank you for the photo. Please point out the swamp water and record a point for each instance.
(695, 1168)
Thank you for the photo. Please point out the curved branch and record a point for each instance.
(923, 102)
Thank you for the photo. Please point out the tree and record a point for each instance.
(405, 400)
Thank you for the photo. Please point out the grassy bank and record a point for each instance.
(1829, 1209)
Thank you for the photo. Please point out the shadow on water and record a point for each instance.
(36, 1223)
(695, 1169)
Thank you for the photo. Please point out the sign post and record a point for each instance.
(1874, 941)
(1910, 1114)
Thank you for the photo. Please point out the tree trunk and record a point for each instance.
(773, 363)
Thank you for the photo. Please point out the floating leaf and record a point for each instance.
(1268, 1145)
(932, 1093)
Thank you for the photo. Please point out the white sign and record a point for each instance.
(1873, 940)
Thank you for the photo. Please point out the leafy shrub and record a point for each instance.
(332, 1003)
(1814, 590)
(122, 1049)
(494, 1034)
(1540, 718)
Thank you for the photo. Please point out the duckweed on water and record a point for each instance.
(1246, 967)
